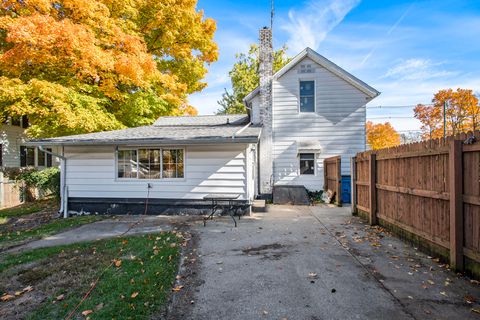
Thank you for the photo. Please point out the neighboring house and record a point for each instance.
(309, 110)
(14, 153)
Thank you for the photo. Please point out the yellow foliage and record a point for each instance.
(382, 135)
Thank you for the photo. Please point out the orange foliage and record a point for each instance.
(462, 113)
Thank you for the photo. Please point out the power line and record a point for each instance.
(398, 107)
(392, 117)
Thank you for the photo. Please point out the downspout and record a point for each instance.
(241, 130)
(63, 187)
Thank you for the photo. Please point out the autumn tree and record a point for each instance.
(382, 135)
(76, 66)
(244, 78)
(462, 113)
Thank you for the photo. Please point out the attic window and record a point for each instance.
(306, 68)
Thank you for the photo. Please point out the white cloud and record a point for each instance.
(309, 26)
(417, 69)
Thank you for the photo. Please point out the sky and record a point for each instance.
(407, 50)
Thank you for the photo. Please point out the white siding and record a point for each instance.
(338, 125)
(12, 138)
(208, 169)
(255, 105)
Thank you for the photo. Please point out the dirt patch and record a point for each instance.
(274, 251)
(49, 278)
(265, 247)
(182, 302)
(30, 221)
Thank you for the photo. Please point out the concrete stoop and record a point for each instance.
(259, 206)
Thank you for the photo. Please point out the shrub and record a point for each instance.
(46, 181)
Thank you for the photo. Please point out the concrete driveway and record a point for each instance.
(315, 263)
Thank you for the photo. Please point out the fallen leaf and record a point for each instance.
(27, 289)
(61, 297)
(86, 312)
(134, 295)
(469, 298)
(476, 310)
(177, 288)
(312, 275)
(117, 263)
(99, 306)
(443, 293)
(431, 282)
(7, 297)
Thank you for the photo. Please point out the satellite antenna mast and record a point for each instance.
(272, 14)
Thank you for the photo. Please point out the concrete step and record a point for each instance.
(259, 206)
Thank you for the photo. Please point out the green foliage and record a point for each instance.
(244, 78)
(46, 181)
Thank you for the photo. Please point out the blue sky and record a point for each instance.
(408, 50)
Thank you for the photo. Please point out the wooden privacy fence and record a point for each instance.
(429, 191)
(332, 177)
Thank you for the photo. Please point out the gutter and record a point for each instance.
(155, 142)
(63, 186)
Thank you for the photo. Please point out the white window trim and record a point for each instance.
(314, 96)
(314, 164)
(161, 179)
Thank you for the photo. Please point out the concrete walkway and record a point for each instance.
(109, 228)
(317, 263)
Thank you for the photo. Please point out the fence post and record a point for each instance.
(338, 168)
(325, 181)
(373, 189)
(456, 205)
(353, 181)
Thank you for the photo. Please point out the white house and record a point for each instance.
(309, 110)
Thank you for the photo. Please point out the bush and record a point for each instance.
(46, 181)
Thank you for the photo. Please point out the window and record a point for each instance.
(127, 163)
(172, 163)
(150, 163)
(307, 96)
(307, 163)
(27, 156)
(44, 159)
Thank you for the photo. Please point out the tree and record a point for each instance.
(244, 78)
(462, 113)
(382, 135)
(76, 66)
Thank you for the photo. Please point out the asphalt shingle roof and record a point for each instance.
(187, 130)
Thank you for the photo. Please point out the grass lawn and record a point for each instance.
(9, 238)
(135, 287)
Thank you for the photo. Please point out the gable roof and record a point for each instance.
(169, 130)
(327, 64)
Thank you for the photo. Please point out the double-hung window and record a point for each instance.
(307, 163)
(307, 96)
(150, 163)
